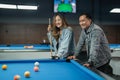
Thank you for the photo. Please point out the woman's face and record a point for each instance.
(58, 21)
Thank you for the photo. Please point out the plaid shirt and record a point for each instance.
(96, 45)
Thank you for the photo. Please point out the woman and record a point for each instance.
(61, 37)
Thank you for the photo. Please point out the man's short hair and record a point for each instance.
(87, 15)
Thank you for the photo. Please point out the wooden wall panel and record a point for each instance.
(112, 33)
(36, 33)
(22, 33)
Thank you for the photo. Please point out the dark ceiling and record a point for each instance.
(99, 9)
(105, 15)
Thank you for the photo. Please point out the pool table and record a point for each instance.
(25, 47)
(49, 70)
(114, 46)
(115, 50)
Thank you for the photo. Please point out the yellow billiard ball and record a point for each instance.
(4, 67)
(25, 46)
(27, 74)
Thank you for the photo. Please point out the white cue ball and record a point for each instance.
(36, 64)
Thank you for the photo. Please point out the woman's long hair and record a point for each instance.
(56, 30)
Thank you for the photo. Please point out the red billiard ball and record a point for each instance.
(36, 69)
(17, 77)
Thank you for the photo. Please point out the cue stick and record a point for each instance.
(50, 39)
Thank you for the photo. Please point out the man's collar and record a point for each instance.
(90, 28)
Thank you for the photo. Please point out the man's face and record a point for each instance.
(84, 22)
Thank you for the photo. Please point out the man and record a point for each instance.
(97, 47)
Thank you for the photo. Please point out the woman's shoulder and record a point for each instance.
(68, 28)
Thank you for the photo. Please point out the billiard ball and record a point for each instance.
(30, 46)
(36, 63)
(25, 46)
(4, 67)
(27, 74)
(17, 77)
(36, 69)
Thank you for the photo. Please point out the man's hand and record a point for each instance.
(86, 65)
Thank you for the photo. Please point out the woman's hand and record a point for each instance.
(71, 57)
(49, 28)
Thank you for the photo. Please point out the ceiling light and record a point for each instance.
(27, 7)
(115, 10)
(8, 6)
